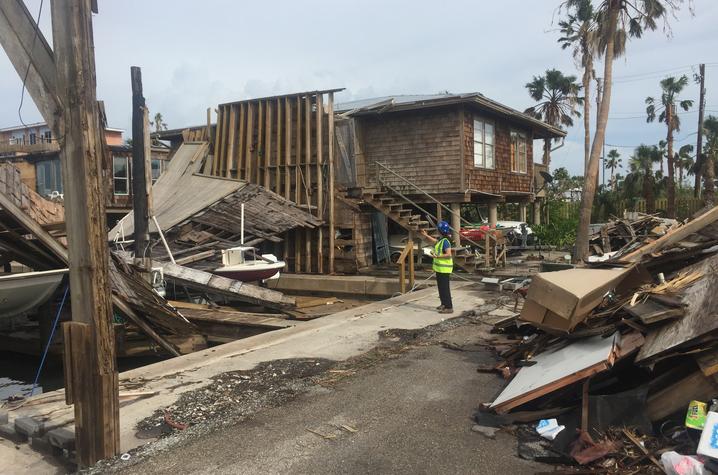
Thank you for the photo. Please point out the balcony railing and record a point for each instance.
(42, 145)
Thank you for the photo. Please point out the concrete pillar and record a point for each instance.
(522, 211)
(493, 213)
(537, 212)
(456, 222)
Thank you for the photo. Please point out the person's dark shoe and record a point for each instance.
(440, 307)
(446, 310)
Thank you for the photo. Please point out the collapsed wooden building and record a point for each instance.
(364, 167)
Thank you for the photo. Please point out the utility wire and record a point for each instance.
(29, 63)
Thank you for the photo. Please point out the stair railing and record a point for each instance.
(401, 262)
(422, 192)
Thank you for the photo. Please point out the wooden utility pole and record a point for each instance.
(141, 185)
(61, 82)
(699, 145)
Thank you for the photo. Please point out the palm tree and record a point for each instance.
(579, 33)
(557, 97)
(670, 89)
(641, 165)
(615, 21)
(683, 161)
(710, 128)
(613, 161)
(159, 123)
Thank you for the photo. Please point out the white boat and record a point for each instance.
(22, 293)
(241, 263)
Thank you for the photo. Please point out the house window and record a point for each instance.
(483, 143)
(157, 169)
(33, 139)
(47, 137)
(519, 155)
(48, 176)
(121, 175)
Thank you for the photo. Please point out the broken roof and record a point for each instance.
(379, 105)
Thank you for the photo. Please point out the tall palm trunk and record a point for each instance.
(709, 178)
(613, 182)
(586, 114)
(671, 211)
(589, 190)
(648, 193)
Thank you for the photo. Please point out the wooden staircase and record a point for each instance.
(401, 212)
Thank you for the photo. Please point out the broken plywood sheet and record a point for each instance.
(180, 192)
(699, 319)
(561, 367)
(235, 289)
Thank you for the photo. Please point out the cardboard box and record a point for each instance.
(561, 300)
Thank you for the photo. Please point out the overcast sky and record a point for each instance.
(199, 54)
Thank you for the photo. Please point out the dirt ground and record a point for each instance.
(404, 407)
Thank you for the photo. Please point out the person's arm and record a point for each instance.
(428, 236)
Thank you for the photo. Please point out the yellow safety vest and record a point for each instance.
(442, 265)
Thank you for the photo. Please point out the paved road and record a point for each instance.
(411, 414)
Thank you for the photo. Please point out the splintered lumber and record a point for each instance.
(134, 318)
(676, 397)
(652, 312)
(708, 362)
(672, 237)
(216, 284)
(228, 317)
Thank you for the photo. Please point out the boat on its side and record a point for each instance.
(22, 293)
(241, 263)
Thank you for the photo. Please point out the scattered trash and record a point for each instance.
(677, 464)
(125, 457)
(489, 432)
(549, 428)
(696, 415)
(324, 436)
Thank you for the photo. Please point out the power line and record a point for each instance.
(29, 63)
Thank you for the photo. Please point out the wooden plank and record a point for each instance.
(298, 153)
(248, 144)
(138, 321)
(278, 163)
(708, 362)
(236, 318)
(217, 143)
(307, 178)
(287, 148)
(195, 257)
(209, 126)
(652, 312)
(320, 181)
(67, 359)
(231, 138)
(267, 152)
(672, 237)
(225, 132)
(330, 152)
(674, 398)
(241, 139)
(260, 148)
(226, 287)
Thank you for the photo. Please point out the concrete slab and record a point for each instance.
(335, 337)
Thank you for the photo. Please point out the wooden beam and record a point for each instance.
(676, 397)
(31, 55)
(216, 284)
(287, 148)
(308, 178)
(140, 157)
(226, 114)
(279, 152)
(320, 182)
(267, 145)
(241, 140)
(209, 126)
(97, 406)
(230, 141)
(248, 144)
(330, 152)
(260, 148)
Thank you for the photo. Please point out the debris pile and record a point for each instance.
(612, 367)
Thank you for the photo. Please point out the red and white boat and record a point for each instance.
(241, 263)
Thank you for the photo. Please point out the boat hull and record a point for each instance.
(20, 294)
(250, 272)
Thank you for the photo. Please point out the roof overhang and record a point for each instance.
(541, 129)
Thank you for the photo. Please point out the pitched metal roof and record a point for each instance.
(379, 105)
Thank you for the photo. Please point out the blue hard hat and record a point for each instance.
(443, 227)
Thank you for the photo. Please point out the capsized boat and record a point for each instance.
(22, 293)
(241, 263)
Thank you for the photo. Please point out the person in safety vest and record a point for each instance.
(443, 265)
